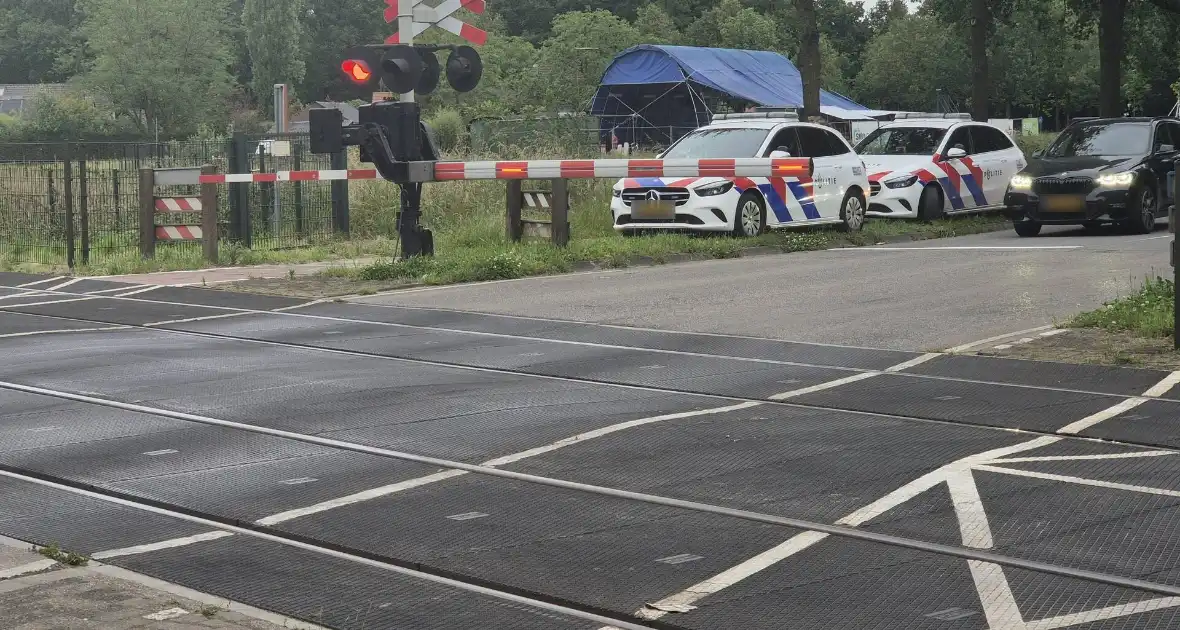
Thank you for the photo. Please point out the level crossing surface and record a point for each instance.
(373, 466)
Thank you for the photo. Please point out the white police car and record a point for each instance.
(927, 166)
(835, 192)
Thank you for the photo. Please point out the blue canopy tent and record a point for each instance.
(655, 94)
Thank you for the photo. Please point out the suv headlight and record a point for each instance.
(903, 181)
(712, 190)
(1116, 180)
(1021, 182)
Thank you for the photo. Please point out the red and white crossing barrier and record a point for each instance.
(179, 233)
(557, 169)
(178, 204)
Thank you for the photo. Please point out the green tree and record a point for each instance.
(732, 25)
(163, 64)
(274, 31)
(899, 71)
(833, 69)
(573, 60)
(331, 26)
(977, 22)
(39, 41)
(656, 26)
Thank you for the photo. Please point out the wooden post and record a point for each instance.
(515, 201)
(560, 207)
(147, 212)
(69, 189)
(84, 210)
(209, 216)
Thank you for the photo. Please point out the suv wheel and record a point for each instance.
(1026, 229)
(1142, 211)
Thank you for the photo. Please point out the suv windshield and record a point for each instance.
(1093, 139)
(735, 142)
(901, 141)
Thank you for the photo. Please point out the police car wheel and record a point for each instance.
(852, 212)
(930, 204)
(750, 217)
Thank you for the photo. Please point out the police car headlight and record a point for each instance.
(616, 193)
(712, 190)
(1021, 182)
(1116, 180)
(904, 181)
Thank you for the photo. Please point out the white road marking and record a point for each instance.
(36, 282)
(1163, 387)
(189, 320)
(822, 386)
(129, 287)
(139, 291)
(968, 346)
(84, 299)
(359, 497)
(24, 294)
(1069, 458)
(167, 451)
(58, 287)
(1154, 238)
(1102, 614)
(166, 614)
(33, 567)
(955, 249)
(1102, 416)
(1003, 346)
(1055, 332)
(33, 333)
(164, 544)
(995, 593)
(914, 362)
(1080, 481)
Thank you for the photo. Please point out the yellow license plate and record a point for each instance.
(1063, 203)
(650, 209)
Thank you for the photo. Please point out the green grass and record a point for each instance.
(1148, 313)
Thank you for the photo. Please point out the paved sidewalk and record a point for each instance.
(39, 594)
(223, 275)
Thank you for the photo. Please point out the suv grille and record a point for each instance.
(679, 195)
(1063, 185)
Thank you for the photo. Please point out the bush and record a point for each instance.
(1147, 313)
(1034, 142)
(449, 130)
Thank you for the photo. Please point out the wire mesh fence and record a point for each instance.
(68, 203)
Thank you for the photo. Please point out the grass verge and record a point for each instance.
(1148, 313)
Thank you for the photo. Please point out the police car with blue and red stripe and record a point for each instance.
(835, 192)
(927, 166)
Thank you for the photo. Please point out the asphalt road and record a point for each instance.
(927, 295)
(287, 418)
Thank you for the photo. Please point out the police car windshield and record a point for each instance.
(1094, 139)
(901, 141)
(724, 142)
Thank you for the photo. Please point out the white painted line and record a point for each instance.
(139, 291)
(298, 482)
(916, 361)
(25, 294)
(1052, 333)
(1163, 387)
(1154, 238)
(166, 614)
(822, 386)
(35, 283)
(955, 249)
(33, 333)
(59, 287)
(129, 287)
(164, 544)
(402, 486)
(1019, 333)
(995, 594)
(304, 305)
(1102, 614)
(1003, 346)
(33, 567)
(189, 320)
(680, 558)
(1081, 481)
(84, 299)
(1102, 416)
(467, 516)
(1073, 458)
(167, 451)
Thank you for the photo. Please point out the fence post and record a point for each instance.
(560, 207)
(115, 188)
(147, 212)
(297, 154)
(68, 184)
(239, 194)
(515, 228)
(209, 216)
(340, 212)
(84, 210)
(52, 193)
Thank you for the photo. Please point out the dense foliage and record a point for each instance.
(176, 67)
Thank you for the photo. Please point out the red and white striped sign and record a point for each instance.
(178, 233)
(178, 204)
(441, 16)
(558, 169)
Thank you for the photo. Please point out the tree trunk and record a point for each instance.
(1110, 57)
(981, 19)
(809, 60)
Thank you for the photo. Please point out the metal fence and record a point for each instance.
(62, 203)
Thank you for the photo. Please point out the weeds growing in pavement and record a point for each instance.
(1150, 312)
(54, 552)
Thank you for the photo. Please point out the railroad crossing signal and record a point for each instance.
(405, 69)
(425, 16)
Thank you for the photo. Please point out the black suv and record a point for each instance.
(1104, 170)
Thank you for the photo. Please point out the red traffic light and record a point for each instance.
(357, 70)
